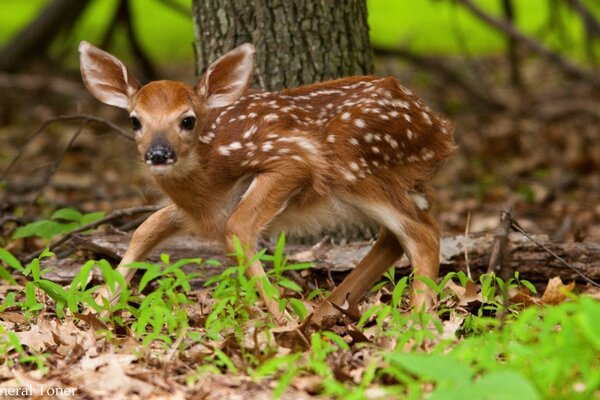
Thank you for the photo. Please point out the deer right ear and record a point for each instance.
(106, 77)
(228, 77)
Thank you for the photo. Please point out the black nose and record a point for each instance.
(160, 154)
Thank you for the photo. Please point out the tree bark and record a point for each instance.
(297, 42)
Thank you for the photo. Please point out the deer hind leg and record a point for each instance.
(418, 233)
(384, 253)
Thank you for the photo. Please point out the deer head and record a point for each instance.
(167, 116)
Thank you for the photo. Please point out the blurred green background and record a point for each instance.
(423, 26)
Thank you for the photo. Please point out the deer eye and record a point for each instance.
(188, 123)
(136, 124)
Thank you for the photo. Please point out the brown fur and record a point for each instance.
(300, 160)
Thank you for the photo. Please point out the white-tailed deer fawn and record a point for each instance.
(236, 162)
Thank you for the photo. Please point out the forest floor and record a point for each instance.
(536, 153)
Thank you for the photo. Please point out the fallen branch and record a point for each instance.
(556, 256)
(532, 262)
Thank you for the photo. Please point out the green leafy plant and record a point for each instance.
(61, 221)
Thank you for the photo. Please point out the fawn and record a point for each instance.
(244, 163)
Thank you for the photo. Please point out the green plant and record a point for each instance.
(61, 221)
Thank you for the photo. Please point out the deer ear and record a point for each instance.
(106, 77)
(228, 77)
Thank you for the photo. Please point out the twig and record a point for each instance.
(562, 63)
(516, 226)
(125, 212)
(467, 227)
(499, 258)
(54, 166)
(74, 117)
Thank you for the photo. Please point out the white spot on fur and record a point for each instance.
(359, 123)
(427, 118)
(348, 175)
(420, 201)
(353, 141)
(410, 134)
(375, 149)
(345, 116)
(354, 166)
(271, 117)
(267, 146)
(224, 150)
(250, 131)
(331, 138)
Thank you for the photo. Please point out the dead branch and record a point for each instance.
(556, 256)
(74, 117)
(530, 260)
(562, 63)
(499, 257)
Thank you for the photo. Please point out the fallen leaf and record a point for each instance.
(555, 291)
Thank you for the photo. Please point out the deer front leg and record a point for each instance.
(154, 230)
(264, 200)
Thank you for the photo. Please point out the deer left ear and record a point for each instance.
(106, 77)
(228, 77)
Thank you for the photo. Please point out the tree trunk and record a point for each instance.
(297, 42)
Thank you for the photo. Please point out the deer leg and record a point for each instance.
(421, 241)
(418, 233)
(154, 230)
(384, 253)
(266, 197)
(417, 236)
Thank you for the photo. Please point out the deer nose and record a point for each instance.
(160, 154)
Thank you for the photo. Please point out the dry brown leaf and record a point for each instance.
(106, 376)
(465, 295)
(39, 336)
(554, 293)
(452, 325)
(14, 317)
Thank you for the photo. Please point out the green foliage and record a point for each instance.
(62, 221)
(527, 353)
